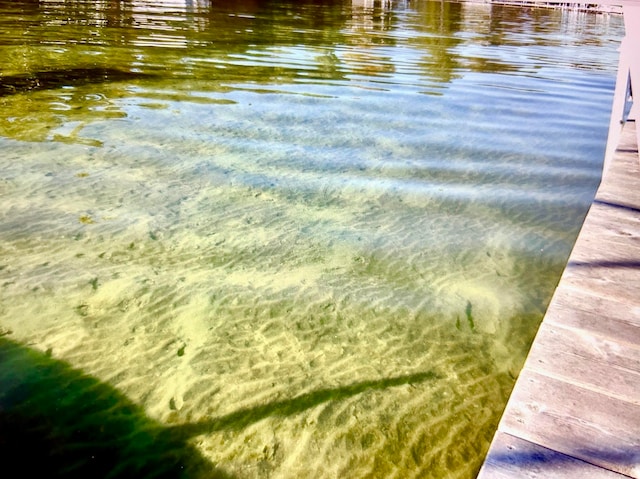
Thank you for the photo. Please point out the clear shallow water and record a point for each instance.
(307, 239)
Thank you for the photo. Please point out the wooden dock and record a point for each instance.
(574, 412)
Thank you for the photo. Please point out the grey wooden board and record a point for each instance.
(578, 395)
(593, 362)
(578, 309)
(602, 281)
(587, 425)
(514, 458)
(614, 225)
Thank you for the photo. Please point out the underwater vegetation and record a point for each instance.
(468, 311)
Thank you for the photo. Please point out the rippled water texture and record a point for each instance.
(284, 240)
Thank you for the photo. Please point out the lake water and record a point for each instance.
(276, 239)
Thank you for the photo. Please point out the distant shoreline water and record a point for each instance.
(610, 6)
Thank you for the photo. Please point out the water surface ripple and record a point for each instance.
(283, 239)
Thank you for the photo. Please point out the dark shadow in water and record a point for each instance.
(51, 79)
(57, 422)
(244, 417)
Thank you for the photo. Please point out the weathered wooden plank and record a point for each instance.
(620, 190)
(511, 457)
(618, 184)
(618, 282)
(575, 421)
(601, 316)
(601, 246)
(627, 140)
(626, 159)
(614, 224)
(588, 361)
(622, 171)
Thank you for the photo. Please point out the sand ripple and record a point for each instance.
(286, 260)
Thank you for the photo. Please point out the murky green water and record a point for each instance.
(283, 239)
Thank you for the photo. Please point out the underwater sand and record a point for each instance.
(326, 278)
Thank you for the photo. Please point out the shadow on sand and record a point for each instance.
(56, 421)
